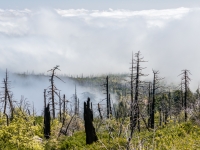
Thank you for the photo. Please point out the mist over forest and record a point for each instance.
(113, 75)
(30, 87)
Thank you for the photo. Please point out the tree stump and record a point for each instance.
(47, 119)
(89, 128)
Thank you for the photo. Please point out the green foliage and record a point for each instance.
(20, 133)
(52, 143)
(172, 136)
(78, 141)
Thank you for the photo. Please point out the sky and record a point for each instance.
(98, 37)
(100, 5)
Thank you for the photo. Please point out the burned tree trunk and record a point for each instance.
(52, 96)
(185, 82)
(99, 109)
(170, 103)
(52, 89)
(11, 104)
(89, 128)
(110, 108)
(149, 105)
(182, 101)
(78, 107)
(136, 82)
(7, 96)
(47, 119)
(64, 109)
(160, 116)
(185, 96)
(155, 87)
(44, 99)
(132, 79)
(60, 105)
(75, 103)
(5, 93)
(136, 106)
(7, 120)
(153, 101)
(107, 98)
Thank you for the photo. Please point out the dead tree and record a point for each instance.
(107, 98)
(64, 109)
(132, 79)
(89, 128)
(182, 97)
(109, 102)
(185, 80)
(7, 97)
(52, 88)
(64, 130)
(60, 105)
(7, 120)
(167, 111)
(47, 120)
(170, 103)
(45, 99)
(76, 109)
(149, 104)
(163, 109)
(34, 123)
(99, 109)
(136, 83)
(156, 86)
(5, 92)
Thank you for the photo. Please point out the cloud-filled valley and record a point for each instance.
(100, 41)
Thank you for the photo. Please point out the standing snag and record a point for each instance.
(7, 96)
(185, 80)
(156, 86)
(76, 103)
(149, 103)
(108, 99)
(89, 128)
(47, 119)
(53, 89)
(136, 84)
(99, 109)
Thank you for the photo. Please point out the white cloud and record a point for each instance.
(94, 41)
(72, 12)
(14, 22)
(153, 17)
(163, 14)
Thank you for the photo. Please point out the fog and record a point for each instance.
(31, 88)
(88, 42)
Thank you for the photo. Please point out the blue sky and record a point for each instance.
(97, 4)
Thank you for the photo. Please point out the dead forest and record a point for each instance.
(135, 113)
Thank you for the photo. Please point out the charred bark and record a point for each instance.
(89, 128)
(47, 120)
(107, 98)
(185, 83)
(52, 89)
(155, 87)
